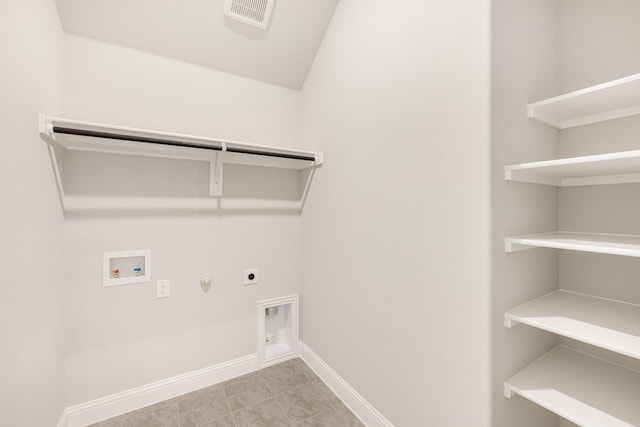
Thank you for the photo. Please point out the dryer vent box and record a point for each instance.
(256, 13)
(277, 330)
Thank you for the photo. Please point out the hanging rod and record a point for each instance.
(216, 152)
(160, 141)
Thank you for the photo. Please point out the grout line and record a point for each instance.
(332, 407)
(253, 404)
(335, 406)
(232, 412)
(175, 400)
(226, 400)
(283, 411)
(329, 404)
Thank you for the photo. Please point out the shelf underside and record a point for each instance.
(72, 135)
(606, 101)
(612, 325)
(115, 146)
(610, 168)
(581, 388)
(612, 244)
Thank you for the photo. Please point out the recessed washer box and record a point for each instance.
(126, 267)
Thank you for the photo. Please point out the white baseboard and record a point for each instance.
(358, 404)
(120, 403)
(116, 404)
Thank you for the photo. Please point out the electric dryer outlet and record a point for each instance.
(251, 276)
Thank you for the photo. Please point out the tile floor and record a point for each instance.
(288, 394)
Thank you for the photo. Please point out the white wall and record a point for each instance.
(122, 337)
(396, 287)
(525, 69)
(111, 83)
(32, 283)
(597, 41)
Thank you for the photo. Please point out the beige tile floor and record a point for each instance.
(288, 394)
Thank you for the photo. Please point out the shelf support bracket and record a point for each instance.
(56, 172)
(46, 133)
(510, 322)
(308, 174)
(511, 246)
(508, 391)
(216, 172)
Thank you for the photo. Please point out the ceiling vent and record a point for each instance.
(256, 13)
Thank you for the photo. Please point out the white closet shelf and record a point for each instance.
(113, 204)
(610, 168)
(609, 324)
(606, 101)
(103, 138)
(612, 244)
(89, 136)
(586, 390)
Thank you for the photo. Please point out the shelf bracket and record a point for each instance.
(57, 174)
(511, 246)
(508, 391)
(216, 169)
(510, 322)
(46, 133)
(102, 138)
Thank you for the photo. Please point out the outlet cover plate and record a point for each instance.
(163, 288)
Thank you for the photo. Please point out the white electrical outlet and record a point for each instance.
(163, 288)
(250, 276)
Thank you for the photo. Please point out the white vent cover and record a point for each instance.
(256, 13)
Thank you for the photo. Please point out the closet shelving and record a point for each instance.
(607, 101)
(609, 324)
(610, 168)
(612, 244)
(584, 389)
(78, 135)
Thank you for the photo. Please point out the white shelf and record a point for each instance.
(145, 142)
(611, 168)
(606, 101)
(612, 244)
(106, 204)
(103, 138)
(587, 391)
(605, 323)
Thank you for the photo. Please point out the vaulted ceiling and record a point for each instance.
(197, 31)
